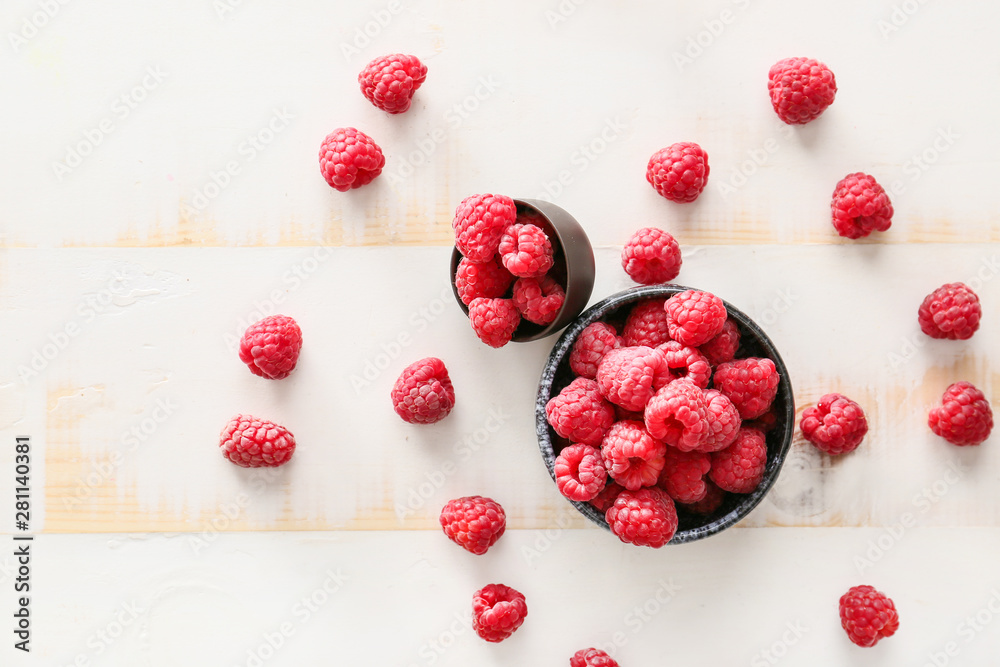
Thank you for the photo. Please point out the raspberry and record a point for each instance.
(651, 256)
(686, 362)
(678, 172)
(539, 300)
(475, 523)
(801, 89)
(739, 468)
(677, 415)
(629, 376)
(580, 414)
(423, 393)
(592, 657)
(494, 320)
(751, 384)
(580, 473)
(964, 417)
(646, 518)
(632, 456)
(683, 475)
(951, 311)
(488, 279)
(724, 346)
(497, 611)
(723, 422)
(271, 347)
(349, 158)
(836, 425)
(590, 347)
(646, 324)
(867, 615)
(695, 317)
(766, 422)
(714, 496)
(860, 206)
(526, 251)
(606, 498)
(480, 221)
(250, 442)
(390, 81)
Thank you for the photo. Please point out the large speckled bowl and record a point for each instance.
(753, 343)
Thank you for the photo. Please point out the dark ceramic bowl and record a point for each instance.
(753, 343)
(573, 268)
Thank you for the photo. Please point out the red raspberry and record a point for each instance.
(860, 206)
(836, 425)
(591, 657)
(580, 414)
(271, 347)
(867, 615)
(349, 158)
(629, 376)
(480, 221)
(632, 456)
(723, 347)
(677, 415)
(494, 320)
(951, 311)
(801, 89)
(590, 347)
(423, 393)
(580, 473)
(539, 300)
(651, 256)
(474, 523)
(714, 497)
(964, 417)
(390, 81)
(678, 172)
(526, 251)
(751, 384)
(646, 324)
(723, 422)
(646, 518)
(686, 362)
(488, 279)
(683, 475)
(739, 468)
(497, 611)
(695, 317)
(606, 498)
(250, 442)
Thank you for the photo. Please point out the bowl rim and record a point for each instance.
(614, 302)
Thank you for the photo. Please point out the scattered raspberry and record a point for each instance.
(714, 497)
(677, 414)
(860, 206)
(951, 311)
(480, 221)
(695, 317)
(390, 81)
(475, 523)
(683, 475)
(651, 256)
(751, 384)
(867, 615)
(539, 300)
(271, 347)
(590, 347)
(801, 89)
(646, 324)
(423, 393)
(580, 473)
(526, 251)
(629, 376)
(488, 279)
(606, 498)
(256, 443)
(687, 363)
(964, 417)
(678, 172)
(836, 425)
(646, 518)
(494, 320)
(723, 347)
(632, 456)
(497, 611)
(349, 158)
(723, 422)
(591, 657)
(580, 414)
(739, 468)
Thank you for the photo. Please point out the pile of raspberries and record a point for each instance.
(662, 413)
